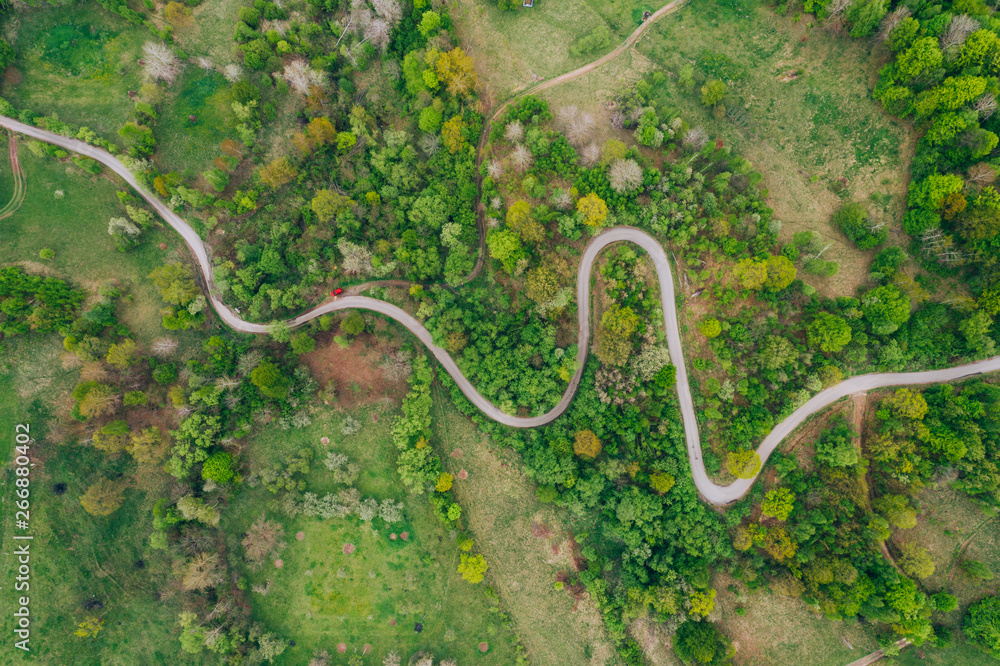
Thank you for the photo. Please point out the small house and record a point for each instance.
(527, 3)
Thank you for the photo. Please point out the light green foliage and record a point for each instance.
(218, 468)
(923, 56)
(828, 332)
(778, 503)
(192, 439)
(712, 92)
(710, 328)
(270, 380)
(472, 567)
(176, 283)
(743, 464)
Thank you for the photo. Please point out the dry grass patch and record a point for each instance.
(500, 509)
(775, 629)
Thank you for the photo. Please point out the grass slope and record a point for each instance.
(321, 597)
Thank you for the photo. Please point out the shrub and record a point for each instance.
(852, 219)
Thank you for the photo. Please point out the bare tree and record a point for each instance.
(521, 158)
(203, 571)
(160, 62)
(263, 540)
(357, 258)
(890, 22)
(164, 346)
(566, 114)
(579, 129)
(625, 175)
(618, 119)
(388, 10)
(430, 144)
(249, 361)
(837, 7)
(514, 131)
(562, 199)
(227, 383)
(958, 31)
(396, 365)
(301, 78)
(981, 174)
(391, 659)
(232, 72)
(986, 105)
(591, 154)
(205, 63)
(321, 658)
(377, 32)
(494, 169)
(695, 139)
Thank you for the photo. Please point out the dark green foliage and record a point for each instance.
(700, 643)
(853, 220)
(836, 446)
(982, 625)
(31, 302)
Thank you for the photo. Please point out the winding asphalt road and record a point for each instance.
(713, 493)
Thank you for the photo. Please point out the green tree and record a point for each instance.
(700, 643)
(270, 380)
(176, 283)
(593, 209)
(743, 464)
(353, 324)
(885, 308)
(710, 328)
(430, 120)
(103, 498)
(586, 445)
(897, 510)
(865, 15)
(429, 23)
(302, 343)
(930, 192)
(505, 246)
(192, 440)
(472, 567)
(780, 273)
(328, 204)
(778, 503)
(916, 561)
(982, 625)
(836, 447)
(775, 353)
(906, 403)
(218, 468)
(920, 58)
(712, 92)
(852, 219)
(828, 332)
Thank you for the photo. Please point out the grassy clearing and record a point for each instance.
(804, 115)
(500, 508)
(187, 145)
(778, 630)
(950, 519)
(75, 225)
(322, 597)
(210, 33)
(78, 62)
(512, 48)
(77, 558)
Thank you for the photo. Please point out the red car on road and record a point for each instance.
(337, 292)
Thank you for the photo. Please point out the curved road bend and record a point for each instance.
(712, 492)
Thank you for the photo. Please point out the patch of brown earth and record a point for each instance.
(354, 371)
